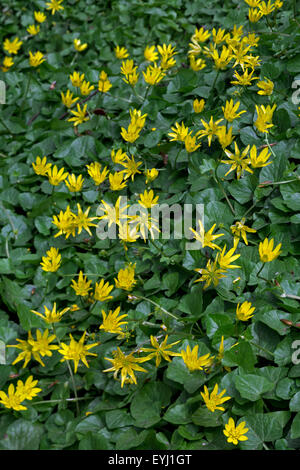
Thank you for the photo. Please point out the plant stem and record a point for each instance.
(42, 402)
(26, 91)
(139, 297)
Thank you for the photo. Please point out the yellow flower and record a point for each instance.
(128, 67)
(51, 316)
(147, 199)
(78, 46)
(210, 274)
(32, 348)
(82, 286)
(238, 161)
(206, 238)
(150, 53)
(102, 291)
(266, 8)
(80, 115)
(86, 88)
(190, 143)
(201, 35)
(179, 132)
(127, 234)
(167, 52)
(12, 47)
(153, 75)
(221, 60)
(244, 79)
(76, 351)
(261, 160)
(94, 170)
(264, 117)
(225, 138)
(28, 389)
(74, 184)
(266, 86)
(143, 223)
(234, 433)
(42, 343)
(68, 99)
(212, 128)
(65, 223)
(77, 79)
(126, 364)
(112, 322)
(33, 29)
(104, 84)
(230, 110)
(118, 157)
(132, 78)
(39, 16)
(198, 105)
(160, 350)
(219, 36)
(197, 64)
(7, 64)
(215, 399)
(192, 361)
(239, 230)
(56, 176)
(253, 3)
(40, 166)
(266, 251)
(226, 259)
(82, 221)
(36, 59)
(52, 261)
(54, 5)
(244, 311)
(151, 175)
(121, 52)
(116, 181)
(125, 279)
(113, 214)
(12, 399)
(131, 167)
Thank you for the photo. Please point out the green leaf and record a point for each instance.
(147, 404)
(252, 386)
(22, 435)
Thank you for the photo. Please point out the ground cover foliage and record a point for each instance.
(138, 342)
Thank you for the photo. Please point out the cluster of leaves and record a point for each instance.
(83, 407)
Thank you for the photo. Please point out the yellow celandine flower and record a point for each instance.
(82, 285)
(80, 115)
(52, 261)
(264, 117)
(137, 118)
(253, 3)
(254, 15)
(192, 361)
(12, 399)
(197, 64)
(234, 433)
(244, 311)
(221, 60)
(125, 279)
(211, 274)
(114, 214)
(77, 351)
(86, 88)
(214, 399)
(212, 128)
(112, 323)
(167, 52)
(132, 78)
(39, 16)
(150, 53)
(201, 35)
(94, 170)
(40, 166)
(128, 67)
(74, 308)
(56, 176)
(31, 348)
(261, 160)
(225, 138)
(153, 75)
(266, 86)
(227, 258)
(240, 54)
(151, 175)
(74, 184)
(65, 222)
(238, 161)
(179, 132)
(206, 238)
(126, 365)
(104, 84)
(278, 4)
(147, 199)
(230, 110)
(219, 35)
(266, 251)
(116, 181)
(127, 234)
(160, 351)
(33, 29)
(266, 8)
(194, 48)
(77, 79)
(28, 389)
(78, 46)
(245, 79)
(51, 316)
(190, 143)
(118, 156)
(131, 134)
(102, 291)
(82, 221)
(239, 229)
(121, 52)
(68, 99)
(144, 224)
(7, 64)
(251, 39)
(12, 47)
(54, 6)
(252, 61)
(36, 59)
(131, 167)
(198, 105)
